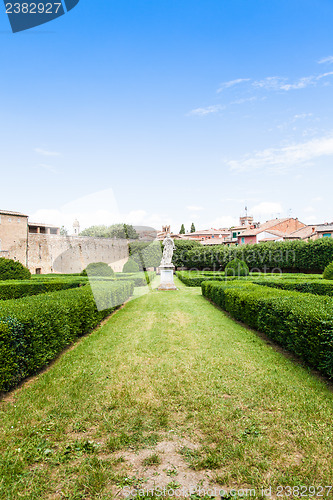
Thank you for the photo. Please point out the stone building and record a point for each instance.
(43, 250)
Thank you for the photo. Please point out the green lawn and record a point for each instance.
(170, 391)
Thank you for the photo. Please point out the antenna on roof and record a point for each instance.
(246, 211)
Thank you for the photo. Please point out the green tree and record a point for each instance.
(182, 229)
(121, 231)
(192, 228)
(63, 231)
(13, 270)
(100, 269)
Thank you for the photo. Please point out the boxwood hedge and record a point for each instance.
(296, 256)
(34, 330)
(139, 279)
(316, 287)
(19, 289)
(303, 325)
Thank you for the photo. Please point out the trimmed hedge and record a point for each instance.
(195, 278)
(139, 279)
(316, 287)
(13, 270)
(328, 272)
(34, 330)
(150, 254)
(296, 256)
(18, 289)
(236, 267)
(100, 269)
(301, 324)
(131, 267)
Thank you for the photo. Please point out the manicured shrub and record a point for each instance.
(146, 254)
(138, 279)
(295, 256)
(98, 269)
(314, 286)
(12, 270)
(236, 267)
(302, 324)
(34, 330)
(18, 289)
(328, 272)
(131, 267)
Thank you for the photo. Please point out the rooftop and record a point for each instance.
(8, 212)
(322, 228)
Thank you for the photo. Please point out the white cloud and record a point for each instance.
(208, 110)
(317, 199)
(98, 208)
(225, 221)
(194, 208)
(285, 158)
(267, 210)
(231, 83)
(325, 60)
(279, 83)
(309, 209)
(44, 152)
(302, 116)
(242, 101)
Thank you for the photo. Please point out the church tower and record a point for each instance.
(76, 228)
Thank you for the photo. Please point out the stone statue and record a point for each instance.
(169, 247)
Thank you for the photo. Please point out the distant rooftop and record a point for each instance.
(39, 224)
(8, 212)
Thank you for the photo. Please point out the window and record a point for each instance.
(327, 235)
(38, 270)
(243, 240)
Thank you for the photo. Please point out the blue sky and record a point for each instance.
(164, 111)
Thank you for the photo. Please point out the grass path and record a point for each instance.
(170, 391)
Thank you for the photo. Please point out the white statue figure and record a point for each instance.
(169, 247)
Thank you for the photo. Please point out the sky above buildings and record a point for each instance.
(166, 111)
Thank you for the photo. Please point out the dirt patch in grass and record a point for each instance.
(171, 471)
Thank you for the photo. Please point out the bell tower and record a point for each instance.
(76, 228)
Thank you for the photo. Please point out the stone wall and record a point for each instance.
(13, 237)
(71, 254)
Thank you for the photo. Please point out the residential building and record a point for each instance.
(272, 230)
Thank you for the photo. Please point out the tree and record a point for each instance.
(182, 229)
(100, 269)
(192, 228)
(131, 267)
(63, 231)
(13, 270)
(120, 231)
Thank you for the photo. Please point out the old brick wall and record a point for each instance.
(71, 254)
(13, 237)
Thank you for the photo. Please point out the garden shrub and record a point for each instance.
(131, 267)
(12, 270)
(100, 269)
(295, 256)
(146, 254)
(139, 279)
(236, 267)
(316, 287)
(301, 324)
(34, 330)
(18, 289)
(328, 272)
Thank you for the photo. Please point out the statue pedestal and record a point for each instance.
(166, 272)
